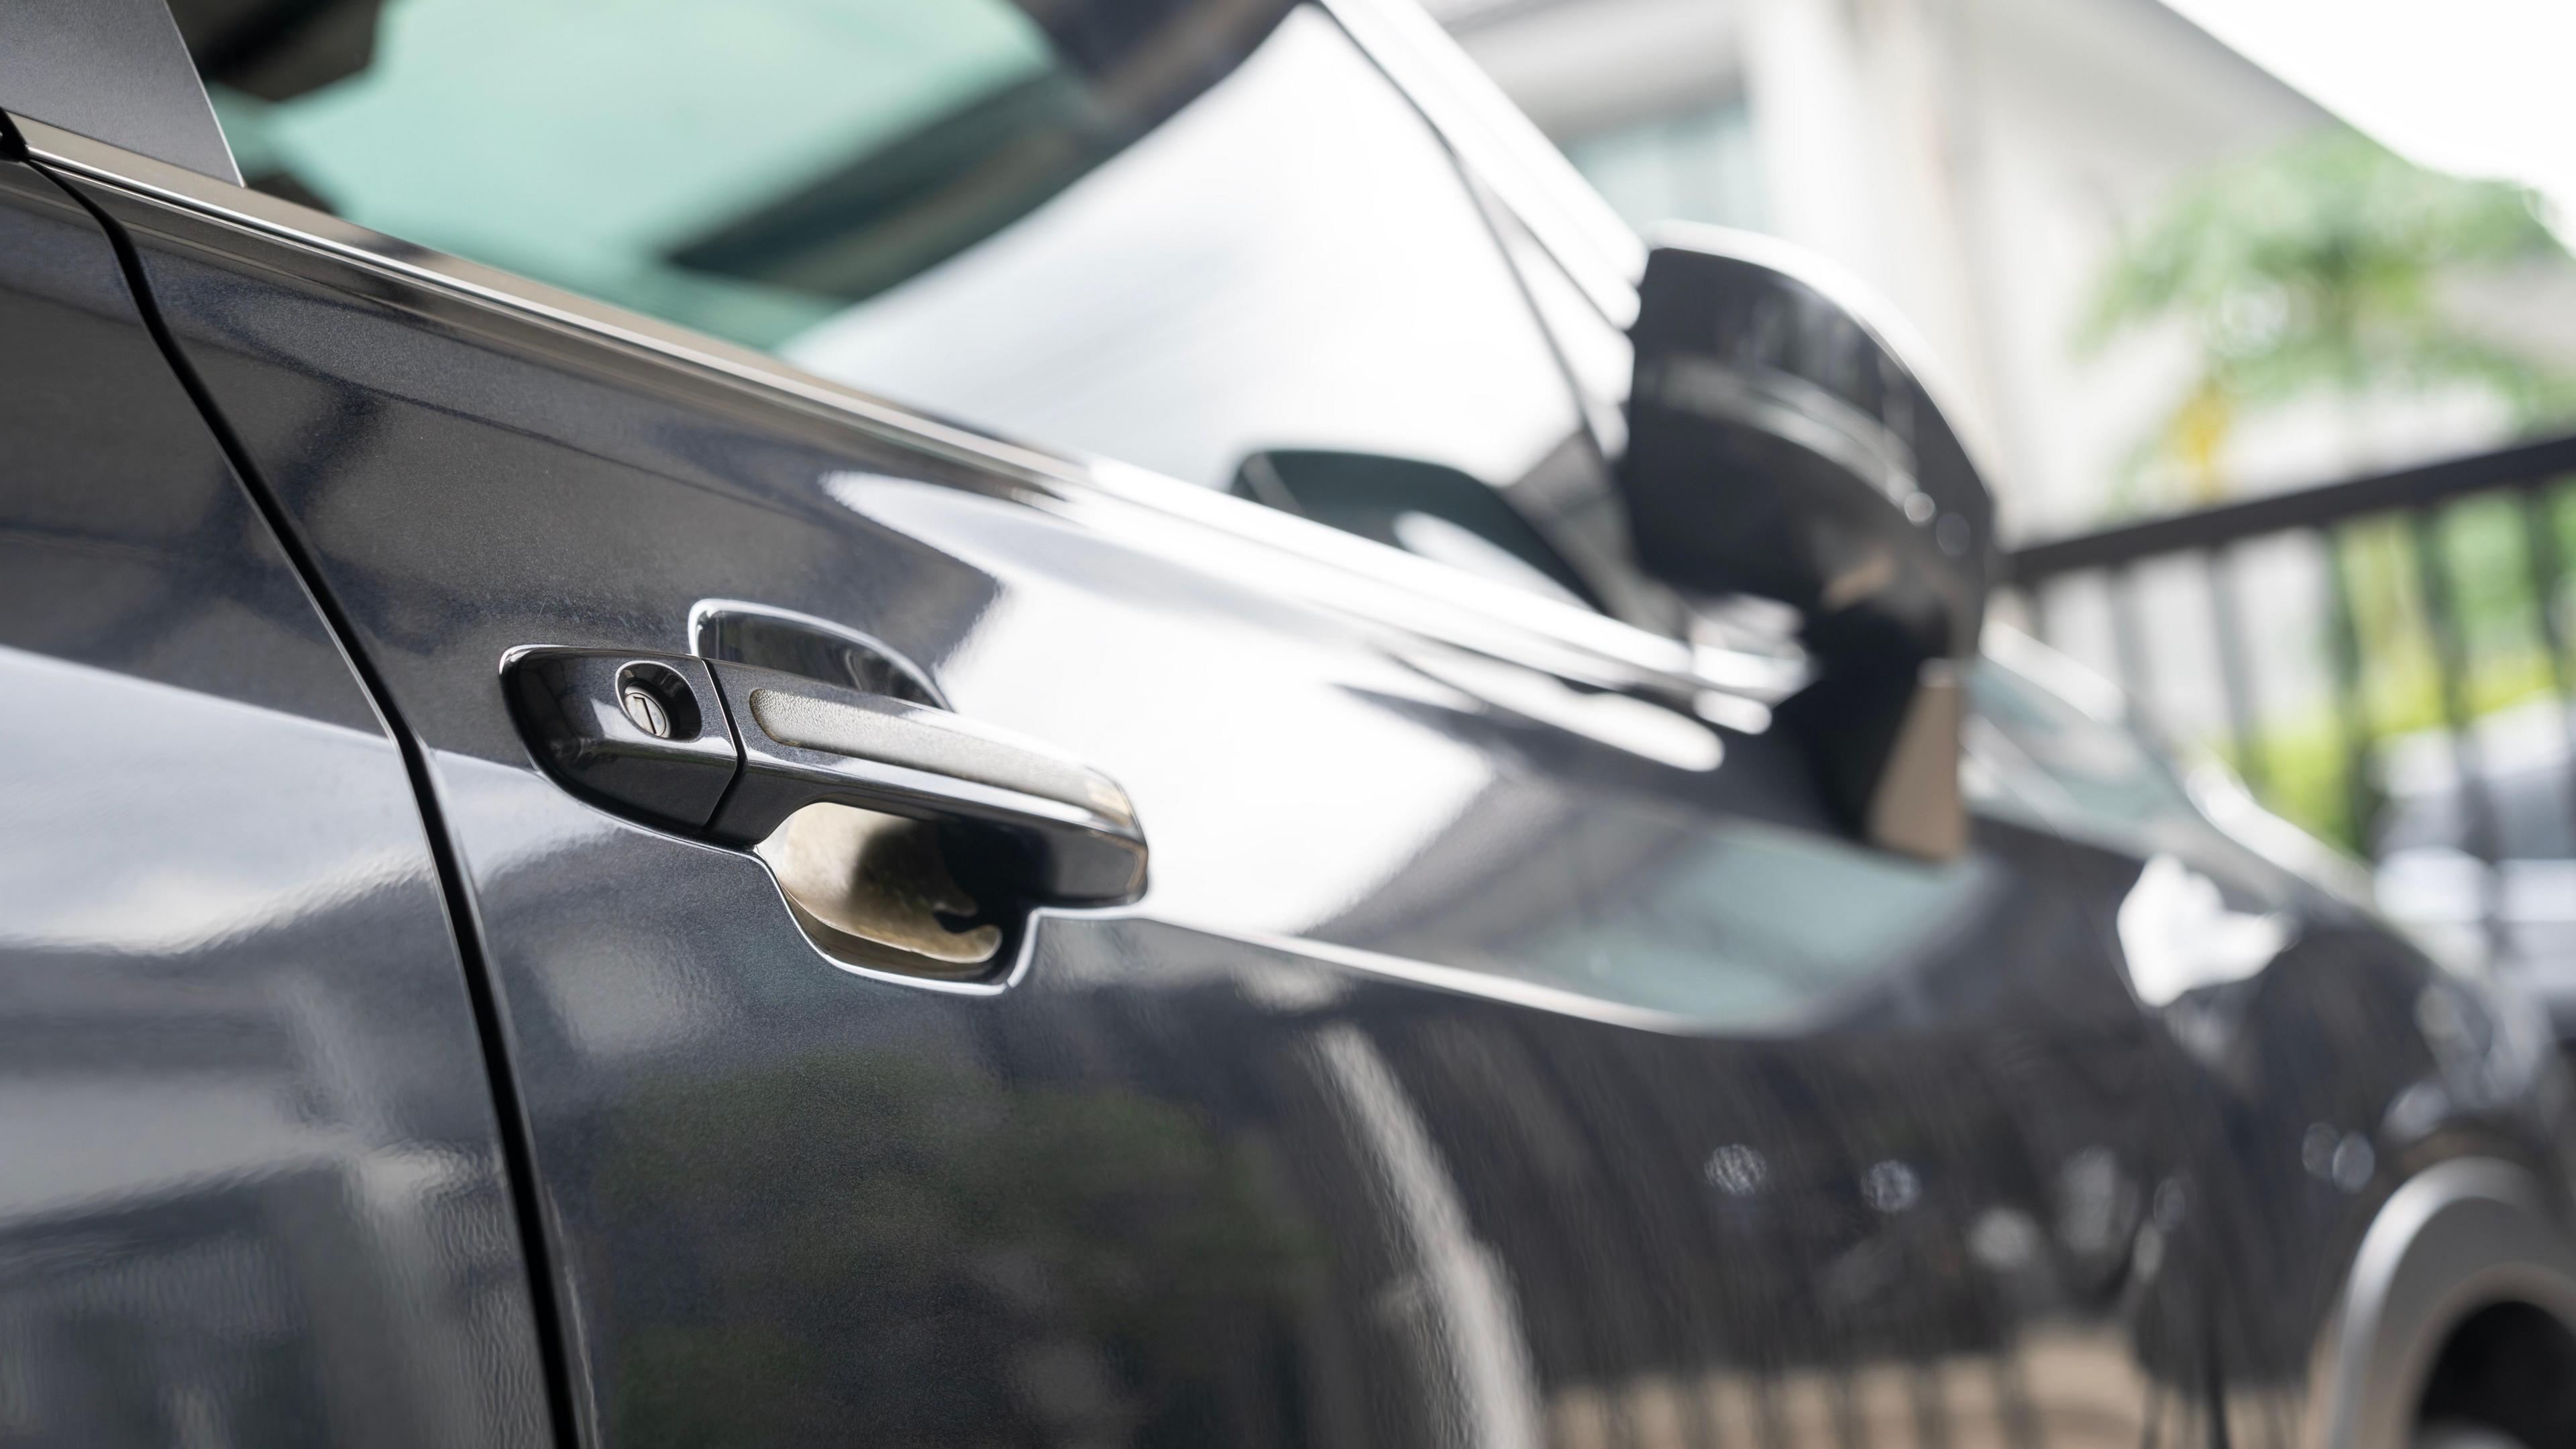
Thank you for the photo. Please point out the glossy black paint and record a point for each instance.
(1875, 522)
(1490, 1060)
(571, 706)
(250, 1184)
(1462, 1078)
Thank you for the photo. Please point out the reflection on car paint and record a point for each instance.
(252, 1188)
(1462, 1079)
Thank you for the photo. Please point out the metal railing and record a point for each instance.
(2449, 577)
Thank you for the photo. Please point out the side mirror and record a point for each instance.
(1781, 444)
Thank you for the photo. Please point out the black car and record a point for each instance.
(571, 873)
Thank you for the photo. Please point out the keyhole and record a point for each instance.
(657, 701)
(646, 710)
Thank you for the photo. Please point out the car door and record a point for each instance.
(2313, 1061)
(254, 1186)
(1500, 1050)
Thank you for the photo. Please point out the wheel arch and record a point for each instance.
(2457, 1238)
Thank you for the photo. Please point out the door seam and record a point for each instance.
(548, 1306)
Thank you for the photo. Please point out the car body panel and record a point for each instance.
(1501, 1053)
(251, 1180)
(1368, 1124)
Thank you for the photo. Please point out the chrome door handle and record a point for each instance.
(806, 743)
(729, 752)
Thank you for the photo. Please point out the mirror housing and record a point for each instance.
(1782, 442)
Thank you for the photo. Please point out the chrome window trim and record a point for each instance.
(1325, 566)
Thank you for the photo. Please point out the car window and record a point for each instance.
(1185, 234)
(748, 169)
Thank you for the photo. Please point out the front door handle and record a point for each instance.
(730, 752)
(806, 743)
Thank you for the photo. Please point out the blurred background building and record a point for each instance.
(1985, 164)
(2163, 280)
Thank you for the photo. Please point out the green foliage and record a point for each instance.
(2316, 270)
(2311, 270)
(2487, 559)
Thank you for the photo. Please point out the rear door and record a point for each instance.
(1494, 1056)
(253, 1184)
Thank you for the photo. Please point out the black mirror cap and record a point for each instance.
(1782, 442)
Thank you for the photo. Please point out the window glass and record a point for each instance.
(749, 168)
(1180, 233)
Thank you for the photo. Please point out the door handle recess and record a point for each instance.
(732, 753)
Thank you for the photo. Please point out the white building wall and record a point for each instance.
(2081, 114)
(1581, 66)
